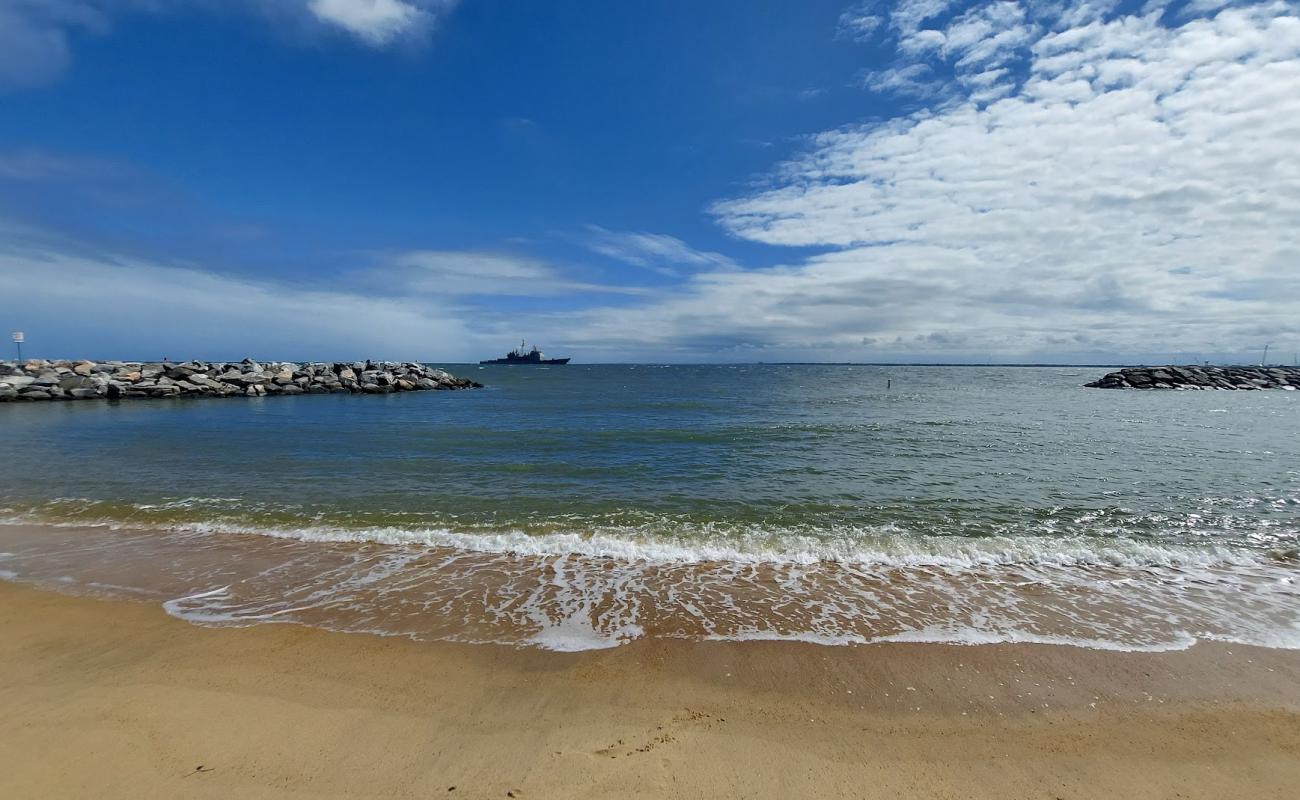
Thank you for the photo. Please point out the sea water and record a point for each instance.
(587, 506)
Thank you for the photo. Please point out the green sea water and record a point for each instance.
(592, 505)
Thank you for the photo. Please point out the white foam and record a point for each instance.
(1177, 640)
(571, 591)
(883, 547)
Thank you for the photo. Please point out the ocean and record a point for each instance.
(582, 507)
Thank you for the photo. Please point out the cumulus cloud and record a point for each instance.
(379, 22)
(959, 45)
(1137, 190)
(36, 36)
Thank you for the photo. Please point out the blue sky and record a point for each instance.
(658, 181)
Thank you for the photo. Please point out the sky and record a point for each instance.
(923, 180)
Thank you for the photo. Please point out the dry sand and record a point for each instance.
(117, 699)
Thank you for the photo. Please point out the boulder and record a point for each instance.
(76, 382)
(17, 381)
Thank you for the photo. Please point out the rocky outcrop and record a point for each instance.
(1191, 377)
(37, 380)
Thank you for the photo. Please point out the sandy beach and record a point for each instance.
(117, 699)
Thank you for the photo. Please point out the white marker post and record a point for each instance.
(18, 342)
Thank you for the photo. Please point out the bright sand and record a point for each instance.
(117, 699)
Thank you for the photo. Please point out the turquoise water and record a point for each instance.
(589, 505)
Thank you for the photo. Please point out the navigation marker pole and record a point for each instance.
(1264, 363)
(18, 338)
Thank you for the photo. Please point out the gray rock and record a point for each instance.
(120, 380)
(17, 380)
(76, 382)
(1238, 378)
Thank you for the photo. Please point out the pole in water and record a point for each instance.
(889, 383)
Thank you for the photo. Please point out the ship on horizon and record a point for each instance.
(523, 355)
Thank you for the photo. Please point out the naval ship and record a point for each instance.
(522, 355)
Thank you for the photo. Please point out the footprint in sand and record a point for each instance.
(668, 733)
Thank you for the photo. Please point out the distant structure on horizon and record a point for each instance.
(523, 355)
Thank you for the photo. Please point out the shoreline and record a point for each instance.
(572, 599)
(564, 597)
(117, 699)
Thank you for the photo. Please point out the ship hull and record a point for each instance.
(525, 362)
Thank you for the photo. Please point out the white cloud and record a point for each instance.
(379, 22)
(656, 251)
(458, 273)
(146, 310)
(1138, 192)
(922, 43)
(909, 15)
(910, 79)
(859, 22)
(987, 36)
(36, 35)
(952, 42)
(34, 38)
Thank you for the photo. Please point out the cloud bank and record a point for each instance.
(1136, 190)
(146, 310)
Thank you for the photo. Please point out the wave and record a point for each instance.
(885, 545)
(578, 585)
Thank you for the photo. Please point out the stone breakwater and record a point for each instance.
(87, 380)
(1230, 378)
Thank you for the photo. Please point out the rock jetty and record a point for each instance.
(1192, 377)
(87, 380)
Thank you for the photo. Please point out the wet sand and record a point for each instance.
(117, 699)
